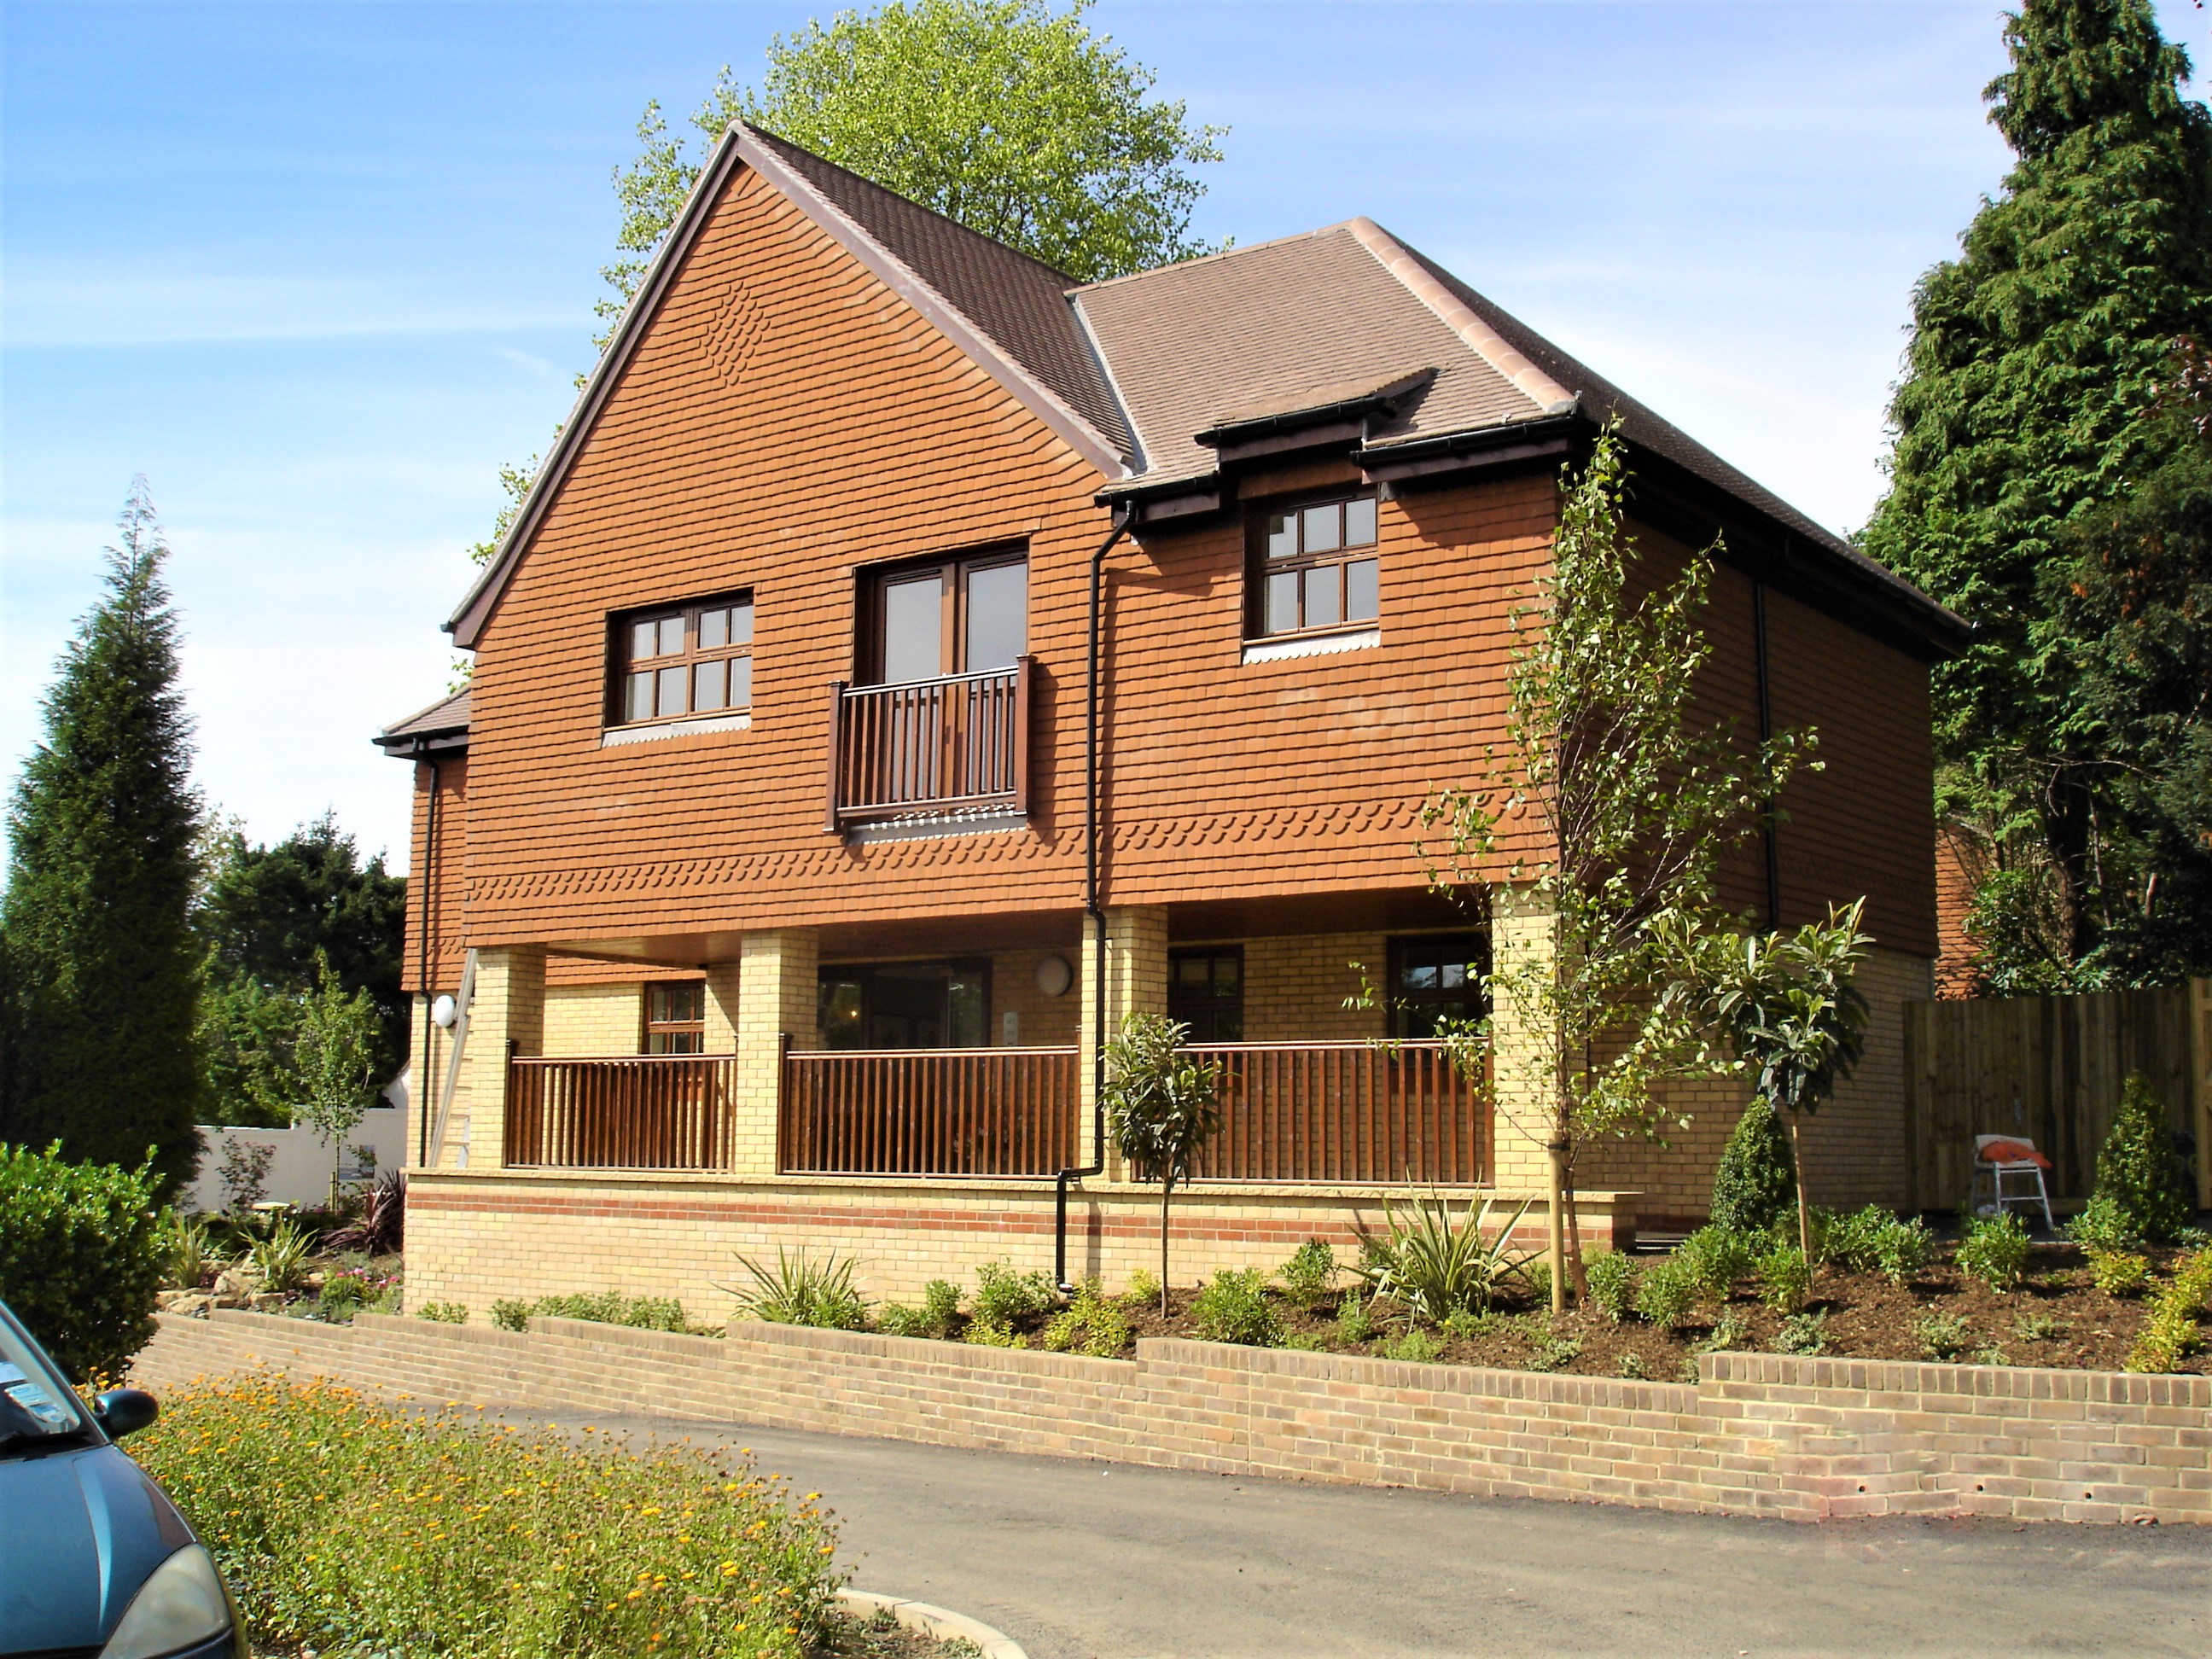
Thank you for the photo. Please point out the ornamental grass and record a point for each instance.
(355, 1529)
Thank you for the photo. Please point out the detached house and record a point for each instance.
(908, 663)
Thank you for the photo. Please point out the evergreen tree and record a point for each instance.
(101, 869)
(2027, 409)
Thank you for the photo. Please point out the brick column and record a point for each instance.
(1521, 937)
(721, 1033)
(1136, 983)
(778, 982)
(508, 1006)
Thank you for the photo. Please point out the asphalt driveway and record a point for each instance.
(1081, 1560)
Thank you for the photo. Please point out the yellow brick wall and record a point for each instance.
(1295, 988)
(590, 1021)
(1043, 1022)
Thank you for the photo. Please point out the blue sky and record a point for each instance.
(317, 271)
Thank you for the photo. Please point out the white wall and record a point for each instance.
(300, 1172)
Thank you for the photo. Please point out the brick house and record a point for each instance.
(908, 662)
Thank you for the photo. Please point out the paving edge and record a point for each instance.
(935, 1621)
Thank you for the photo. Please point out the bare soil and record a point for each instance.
(2056, 1318)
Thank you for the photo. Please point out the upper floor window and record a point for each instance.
(687, 660)
(963, 615)
(1314, 567)
(676, 1018)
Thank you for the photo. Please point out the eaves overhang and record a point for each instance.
(740, 147)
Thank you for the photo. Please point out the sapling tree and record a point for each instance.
(335, 1061)
(1162, 1106)
(1785, 1005)
(1607, 806)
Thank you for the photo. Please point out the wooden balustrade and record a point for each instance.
(961, 742)
(1354, 1112)
(632, 1112)
(929, 1112)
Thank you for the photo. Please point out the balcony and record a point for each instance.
(959, 743)
(633, 1112)
(1007, 1112)
(1359, 1114)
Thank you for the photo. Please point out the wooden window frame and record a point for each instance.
(1259, 565)
(1398, 1002)
(953, 571)
(621, 664)
(653, 1024)
(1183, 953)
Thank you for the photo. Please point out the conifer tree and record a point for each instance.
(101, 835)
(2027, 408)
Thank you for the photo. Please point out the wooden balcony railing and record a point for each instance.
(961, 742)
(632, 1112)
(929, 1112)
(1354, 1112)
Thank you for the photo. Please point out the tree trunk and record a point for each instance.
(1804, 1214)
(1167, 1186)
(1578, 1274)
(1556, 1251)
(2069, 831)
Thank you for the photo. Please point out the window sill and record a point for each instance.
(615, 735)
(1283, 647)
(925, 826)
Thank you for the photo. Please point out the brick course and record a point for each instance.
(1799, 1439)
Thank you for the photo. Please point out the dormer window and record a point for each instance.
(1314, 567)
(683, 662)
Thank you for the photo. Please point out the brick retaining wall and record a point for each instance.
(1804, 1439)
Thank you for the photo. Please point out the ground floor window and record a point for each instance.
(1206, 992)
(1435, 979)
(676, 1018)
(906, 1004)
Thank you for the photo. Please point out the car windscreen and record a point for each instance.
(35, 1403)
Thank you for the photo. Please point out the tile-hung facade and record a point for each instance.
(909, 663)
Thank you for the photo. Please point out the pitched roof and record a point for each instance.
(1146, 376)
(447, 718)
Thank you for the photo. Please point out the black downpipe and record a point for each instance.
(1767, 736)
(422, 963)
(1092, 908)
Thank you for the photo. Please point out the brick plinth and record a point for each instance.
(1801, 1439)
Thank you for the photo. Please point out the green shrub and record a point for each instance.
(1090, 1324)
(1754, 1186)
(1612, 1282)
(80, 1258)
(353, 1529)
(1554, 1353)
(2172, 1333)
(1355, 1320)
(349, 1290)
(1943, 1336)
(1414, 1345)
(1667, 1292)
(1805, 1335)
(648, 1313)
(1004, 1296)
(799, 1291)
(1234, 1308)
(1536, 1274)
(1714, 1258)
(2118, 1273)
(1144, 1291)
(279, 1261)
(938, 1317)
(1729, 1332)
(1310, 1273)
(1854, 1240)
(1995, 1250)
(2103, 1225)
(1634, 1368)
(1785, 1278)
(188, 1248)
(2038, 1327)
(2137, 1169)
(1902, 1249)
(1431, 1266)
(448, 1312)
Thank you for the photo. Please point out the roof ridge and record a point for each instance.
(1218, 255)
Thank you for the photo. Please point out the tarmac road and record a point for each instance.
(1080, 1560)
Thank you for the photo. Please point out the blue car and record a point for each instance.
(95, 1563)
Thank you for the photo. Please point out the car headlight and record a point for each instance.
(181, 1604)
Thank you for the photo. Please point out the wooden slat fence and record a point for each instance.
(1368, 1112)
(929, 1112)
(2049, 1068)
(631, 1112)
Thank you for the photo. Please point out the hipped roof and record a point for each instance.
(1131, 372)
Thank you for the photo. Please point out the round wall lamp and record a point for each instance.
(1053, 976)
(444, 1012)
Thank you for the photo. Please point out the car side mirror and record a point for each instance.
(124, 1411)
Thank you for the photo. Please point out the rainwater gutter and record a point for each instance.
(1093, 910)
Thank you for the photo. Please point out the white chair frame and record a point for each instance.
(2027, 1190)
